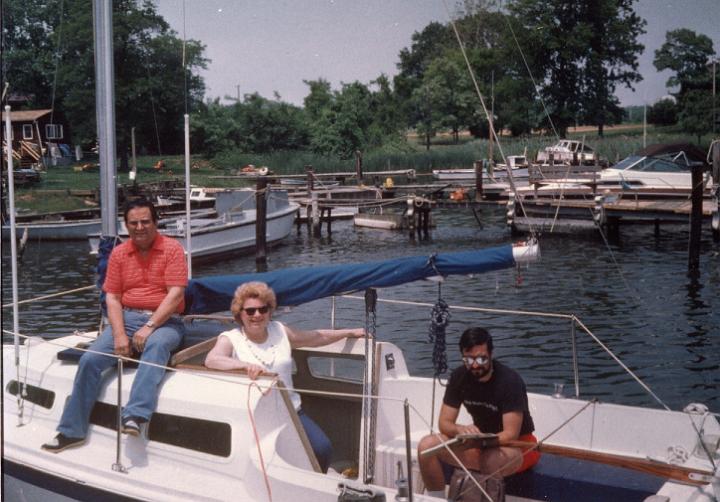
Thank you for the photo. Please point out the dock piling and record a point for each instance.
(261, 220)
(478, 165)
(358, 167)
(695, 219)
(316, 230)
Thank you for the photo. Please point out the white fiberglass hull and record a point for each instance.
(188, 468)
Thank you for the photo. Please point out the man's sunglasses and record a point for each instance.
(251, 310)
(480, 360)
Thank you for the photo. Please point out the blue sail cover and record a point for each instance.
(301, 285)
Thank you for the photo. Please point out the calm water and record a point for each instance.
(635, 296)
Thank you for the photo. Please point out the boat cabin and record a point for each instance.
(567, 151)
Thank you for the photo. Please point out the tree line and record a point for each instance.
(539, 65)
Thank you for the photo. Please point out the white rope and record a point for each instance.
(52, 295)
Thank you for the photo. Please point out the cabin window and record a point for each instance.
(53, 131)
(36, 395)
(205, 436)
(336, 368)
(27, 131)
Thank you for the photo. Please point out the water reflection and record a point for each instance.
(634, 296)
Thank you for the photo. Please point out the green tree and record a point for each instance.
(318, 99)
(579, 51)
(687, 54)
(696, 114)
(344, 126)
(663, 113)
(28, 48)
(451, 95)
(428, 44)
(613, 59)
(213, 129)
(150, 80)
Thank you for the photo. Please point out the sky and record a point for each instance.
(271, 46)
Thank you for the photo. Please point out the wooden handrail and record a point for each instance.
(687, 475)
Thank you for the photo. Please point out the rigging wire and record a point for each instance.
(184, 62)
(57, 62)
(536, 88)
(562, 181)
(491, 125)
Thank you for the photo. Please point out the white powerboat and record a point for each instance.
(518, 165)
(230, 228)
(567, 151)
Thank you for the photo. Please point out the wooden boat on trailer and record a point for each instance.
(217, 435)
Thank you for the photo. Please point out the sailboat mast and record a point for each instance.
(105, 113)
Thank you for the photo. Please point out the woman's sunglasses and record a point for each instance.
(251, 310)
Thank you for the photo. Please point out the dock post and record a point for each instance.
(715, 220)
(316, 230)
(358, 167)
(695, 219)
(261, 221)
(478, 165)
(410, 215)
(329, 219)
(310, 177)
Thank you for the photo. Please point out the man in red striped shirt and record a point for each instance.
(144, 286)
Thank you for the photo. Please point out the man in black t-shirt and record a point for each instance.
(495, 397)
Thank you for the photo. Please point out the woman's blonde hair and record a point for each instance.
(258, 290)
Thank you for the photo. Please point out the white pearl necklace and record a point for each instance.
(251, 347)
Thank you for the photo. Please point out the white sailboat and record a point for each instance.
(220, 436)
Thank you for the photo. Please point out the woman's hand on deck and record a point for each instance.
(254, 370)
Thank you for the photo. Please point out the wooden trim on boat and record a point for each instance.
(191, 352)
(299, 426)
(687, 475)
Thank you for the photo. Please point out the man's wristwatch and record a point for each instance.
(150, 324)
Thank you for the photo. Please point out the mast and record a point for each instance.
(105, 113)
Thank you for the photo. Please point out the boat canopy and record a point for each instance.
(301, 285)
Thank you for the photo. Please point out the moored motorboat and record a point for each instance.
(230, 228)
(517, 163)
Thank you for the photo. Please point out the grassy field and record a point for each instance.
(64, 188)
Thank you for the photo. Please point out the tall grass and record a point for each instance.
(442, 154)
(51, 195)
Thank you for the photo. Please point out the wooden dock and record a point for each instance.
(584, 215)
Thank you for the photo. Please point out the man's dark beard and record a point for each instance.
(482, 372)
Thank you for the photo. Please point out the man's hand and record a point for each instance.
(122, 346)
(467, 429)
(140, 338)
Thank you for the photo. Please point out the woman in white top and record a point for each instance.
(260, 345)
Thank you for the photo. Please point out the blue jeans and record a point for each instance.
(144, 392)
(318, 440)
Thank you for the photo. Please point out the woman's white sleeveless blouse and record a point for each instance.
(274, 354)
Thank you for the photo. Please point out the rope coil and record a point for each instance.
(439, 320)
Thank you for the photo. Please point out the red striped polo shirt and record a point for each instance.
(143, 282)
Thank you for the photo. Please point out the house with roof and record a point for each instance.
(39, 138)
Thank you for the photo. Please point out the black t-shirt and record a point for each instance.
(488, 401)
